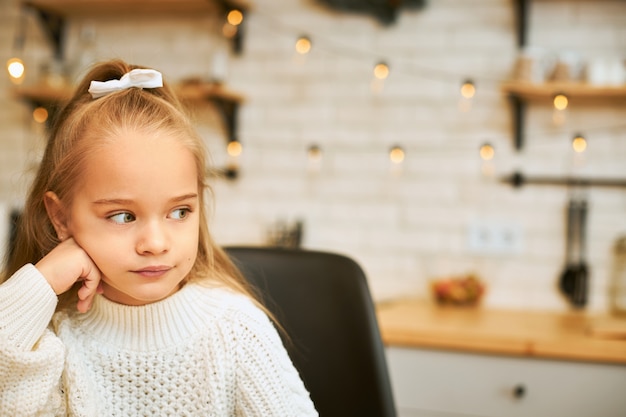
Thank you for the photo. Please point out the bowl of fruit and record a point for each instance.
(458, 290)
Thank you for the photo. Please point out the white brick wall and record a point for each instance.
(406, 229)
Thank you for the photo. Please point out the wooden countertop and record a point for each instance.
(570, 336)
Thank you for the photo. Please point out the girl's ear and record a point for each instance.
(56, 214)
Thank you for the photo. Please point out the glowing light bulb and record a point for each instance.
(40, 114)
(560, 102)
(16, 69)
(487, 152)
(235, 17)
(303, 45)
(381, 71)
(314, 153)
(234, 148)
(579, 143)
(468, 90)
(396, 155)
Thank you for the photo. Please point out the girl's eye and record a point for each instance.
(180, 213)
(122, 218)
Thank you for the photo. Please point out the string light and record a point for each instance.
(579, 143)
(303, 45)
(560, 101)
(468, 89)
(40, 114)
(487, 152)
(314, 154)
(234, 17)
(381, 71)
(396, 154)
(16, 70)
(234, 148)
(314, 157)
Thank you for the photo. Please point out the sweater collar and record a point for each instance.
(154, 326)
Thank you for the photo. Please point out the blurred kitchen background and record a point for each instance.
(387, 134)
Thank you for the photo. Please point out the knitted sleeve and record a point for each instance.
(267, 382)
(31, 356)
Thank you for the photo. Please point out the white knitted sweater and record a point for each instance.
(201, 352)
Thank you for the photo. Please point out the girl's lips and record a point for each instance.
(152, 271)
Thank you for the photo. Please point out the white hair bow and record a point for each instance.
(140, 78)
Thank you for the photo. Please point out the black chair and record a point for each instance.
(323, 302)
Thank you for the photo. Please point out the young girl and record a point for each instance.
(116, 302)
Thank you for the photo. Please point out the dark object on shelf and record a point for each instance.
(573, 282)
(579, 296)
(566, 282)
(323, 302)
(386, 11)
(284, 235)
(517, 179)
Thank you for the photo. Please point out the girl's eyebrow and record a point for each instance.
(124, 201)
(184, 197)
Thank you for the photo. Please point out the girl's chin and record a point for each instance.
(138, 296)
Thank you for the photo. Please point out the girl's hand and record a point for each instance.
(66, 264)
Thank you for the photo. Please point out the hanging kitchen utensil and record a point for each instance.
(579, 296)
(566, 283)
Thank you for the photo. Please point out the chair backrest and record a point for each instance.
(323, 302)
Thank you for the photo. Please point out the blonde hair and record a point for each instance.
(82, 126)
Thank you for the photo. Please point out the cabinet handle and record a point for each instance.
(519, 391)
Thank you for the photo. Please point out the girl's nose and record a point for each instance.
(153, 239)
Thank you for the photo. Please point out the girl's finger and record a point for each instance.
(91, 286)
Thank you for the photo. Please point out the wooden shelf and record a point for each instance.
(193, 92)
(522, 92)
(54, 13)
(202, 91)
(574, 91)
(42, 95)
(226, 101)
(151, 7)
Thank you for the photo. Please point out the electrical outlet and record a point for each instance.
(494, 237)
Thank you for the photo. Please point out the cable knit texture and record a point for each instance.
(201, 352)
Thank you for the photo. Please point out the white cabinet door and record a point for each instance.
(431, 383)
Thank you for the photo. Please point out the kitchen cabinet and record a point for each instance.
(439, 383)
(448, 361)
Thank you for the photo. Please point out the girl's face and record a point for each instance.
(136, 214)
